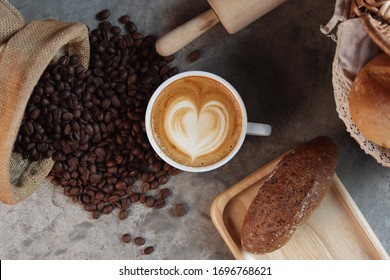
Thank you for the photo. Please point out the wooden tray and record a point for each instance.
(336, 230)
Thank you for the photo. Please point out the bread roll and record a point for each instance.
(289, 195)
(369, 100)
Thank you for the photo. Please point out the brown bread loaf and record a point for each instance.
(289, 195)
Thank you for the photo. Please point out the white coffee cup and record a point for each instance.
(248, 128)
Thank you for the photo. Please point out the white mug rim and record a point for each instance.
(161, 153)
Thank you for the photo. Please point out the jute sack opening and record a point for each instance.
(25, 51)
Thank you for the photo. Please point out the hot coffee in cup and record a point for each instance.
(196, 121)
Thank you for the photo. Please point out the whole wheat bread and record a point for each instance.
(289, 195)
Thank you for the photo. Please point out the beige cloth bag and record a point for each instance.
(355, 48)
(25, 52)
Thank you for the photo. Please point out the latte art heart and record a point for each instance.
(196, 121)
(196, 132)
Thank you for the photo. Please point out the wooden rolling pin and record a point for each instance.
(233, 14)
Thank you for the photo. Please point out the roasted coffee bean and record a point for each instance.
(129, 189)
(154, 185)
(115, 29)
(64, 60)
(91, 157)
(115, 101)
(95, 214)
(134, 197)
(74, 191)
(103, 15)
(159, 203)
(97, 63)
(179, 209)
(145, 187)
(105, 25)
(64, 94)
(73, 162)
(89, 129)
(125, 203)
(113, 198)
(145, 176)
(126, 238)
(95, 178)
(163, 180)
(149, 201)
(75, 125)
(112, 169)
(66, 175)
(67, 116)
(131, 27)
(163, 193)
(148, 250)
(74, 136)
(58, 167)
(108, 188)
(193, 56)
(120, 185)
(89, 207)
(100, 205)
(173, 171)
(42, 147)
(98, 72)
(99, 195)
(151, 178)
(111, 180)
(139, 241)
(34, 114)
(124, 19)
(85, 199)
(123, 214)
(107, 209)
(28, 128)
(134, 173)
(74, 60)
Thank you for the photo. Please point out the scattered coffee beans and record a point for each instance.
(193, 56)
(124, 19)
(103, 15)
(139, 241)
(179, 210)
(95, 214)
(148, 250)
(123, 214)
(126, 238)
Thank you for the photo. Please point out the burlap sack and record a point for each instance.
(25, 52)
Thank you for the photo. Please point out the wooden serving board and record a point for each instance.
(336, 230)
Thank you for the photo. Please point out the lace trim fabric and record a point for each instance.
(342, 87)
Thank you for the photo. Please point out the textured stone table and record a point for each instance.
(281, 65)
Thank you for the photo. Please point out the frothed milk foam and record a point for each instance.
(196, 121)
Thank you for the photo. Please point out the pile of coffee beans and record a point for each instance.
(91, 121)
(53, 117)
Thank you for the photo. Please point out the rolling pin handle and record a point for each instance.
(186, 33)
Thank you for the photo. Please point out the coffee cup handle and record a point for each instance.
(258, 129)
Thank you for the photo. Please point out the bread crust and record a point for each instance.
(369, 100)
(289, 196)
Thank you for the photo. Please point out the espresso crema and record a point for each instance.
(196, 121)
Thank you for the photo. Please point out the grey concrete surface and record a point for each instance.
(281, 65)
